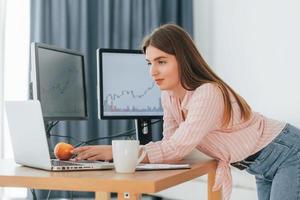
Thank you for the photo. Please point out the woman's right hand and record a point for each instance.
(96, 152)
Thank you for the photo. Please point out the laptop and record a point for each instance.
(29, 141)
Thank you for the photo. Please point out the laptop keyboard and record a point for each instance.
(63, 163)
(88, 161)
(73, 163)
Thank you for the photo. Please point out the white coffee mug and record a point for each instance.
(126, 155)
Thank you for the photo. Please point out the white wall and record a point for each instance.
(254, 46)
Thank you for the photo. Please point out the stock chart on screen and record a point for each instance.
(127, 87)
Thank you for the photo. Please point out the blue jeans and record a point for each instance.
(277, 168)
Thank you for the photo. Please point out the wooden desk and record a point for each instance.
(128, 186)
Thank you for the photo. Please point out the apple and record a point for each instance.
(62, 151)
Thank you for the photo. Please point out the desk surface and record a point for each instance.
(14, 175)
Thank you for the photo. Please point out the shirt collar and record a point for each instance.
(185, 101)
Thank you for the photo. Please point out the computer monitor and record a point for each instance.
(125, 87)
(58, 80)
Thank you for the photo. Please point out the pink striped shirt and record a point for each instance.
(202, 130)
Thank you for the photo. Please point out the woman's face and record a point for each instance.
(163, 69)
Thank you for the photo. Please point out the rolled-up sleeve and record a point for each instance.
(205, 114)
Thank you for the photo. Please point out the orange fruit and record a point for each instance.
(62, 151)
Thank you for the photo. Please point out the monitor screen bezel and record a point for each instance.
(36, 81)
(100, 85)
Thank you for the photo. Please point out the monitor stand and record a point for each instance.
(48, 127)
(143, 130)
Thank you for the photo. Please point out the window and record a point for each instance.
(16, 53)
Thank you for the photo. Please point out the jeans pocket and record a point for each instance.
(269, 160)
(265, 153)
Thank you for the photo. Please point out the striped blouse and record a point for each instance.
(202, 130)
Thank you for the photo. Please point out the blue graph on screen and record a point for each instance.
(61, 82)
(132, 101)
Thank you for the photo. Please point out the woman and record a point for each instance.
(201, 111)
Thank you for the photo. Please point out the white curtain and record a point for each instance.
(2, 30)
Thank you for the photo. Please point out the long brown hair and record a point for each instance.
(193, 70)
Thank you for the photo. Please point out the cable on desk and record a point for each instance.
(66, 136)
(50, 125)
(129, 132)
(125, 133)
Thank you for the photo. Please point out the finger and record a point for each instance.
(86, 155)
(96, 157)
(80, 149)
(80, 156)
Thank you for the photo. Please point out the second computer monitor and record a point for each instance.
(59, 82)
(126, 89)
